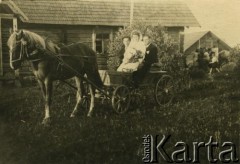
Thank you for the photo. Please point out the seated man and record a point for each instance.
(151, 56)
(126, 41)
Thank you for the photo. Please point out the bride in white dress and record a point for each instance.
(134, 54)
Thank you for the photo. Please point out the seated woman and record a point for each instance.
(134, 54)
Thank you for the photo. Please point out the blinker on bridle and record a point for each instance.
(23, 51)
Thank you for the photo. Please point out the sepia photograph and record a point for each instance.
(119, 81)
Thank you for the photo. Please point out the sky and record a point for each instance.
(222, 17)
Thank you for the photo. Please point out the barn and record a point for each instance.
(93, 22)
(203, 39)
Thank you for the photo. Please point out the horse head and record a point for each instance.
(22, 44)
(15, 49)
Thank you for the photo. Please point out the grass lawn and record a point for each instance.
(208, 108)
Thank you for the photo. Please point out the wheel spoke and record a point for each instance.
(120, 99)
(164, 90)
(119, 107)
(125, 92)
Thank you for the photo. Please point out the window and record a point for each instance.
(102, 41)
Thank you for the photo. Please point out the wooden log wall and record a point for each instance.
(174, 33)
(84, 35)
(6, 25)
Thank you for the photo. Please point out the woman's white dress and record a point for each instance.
(133, 56)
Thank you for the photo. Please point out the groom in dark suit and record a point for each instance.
(151, 57)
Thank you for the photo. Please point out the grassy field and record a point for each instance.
(209, 108)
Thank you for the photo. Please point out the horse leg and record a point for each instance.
(43, 89)
(92, 92)
(48, 100)
(210, 72)
(79, 84)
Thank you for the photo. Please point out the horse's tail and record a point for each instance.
(97, 79)
(93, 73)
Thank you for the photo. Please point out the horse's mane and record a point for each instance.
(33, 40)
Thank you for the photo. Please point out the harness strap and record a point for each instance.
(20, 57)
(74, 55)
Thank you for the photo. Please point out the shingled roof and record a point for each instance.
(192, 38)
(102, 12)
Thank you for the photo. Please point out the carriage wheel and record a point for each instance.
(137, 99)
(164, 90)
(121, 99)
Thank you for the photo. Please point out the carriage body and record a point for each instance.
(157, 87)
(115, 78)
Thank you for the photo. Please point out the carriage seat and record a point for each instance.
(156, 67)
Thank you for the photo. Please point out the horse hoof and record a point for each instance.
(72, 115)
(89, 114)
(46, 121)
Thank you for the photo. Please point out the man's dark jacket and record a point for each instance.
(151, 57)
(121, 54)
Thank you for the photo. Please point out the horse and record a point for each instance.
(46, 58)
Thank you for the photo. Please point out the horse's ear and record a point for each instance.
(11, 31)
(19, 34)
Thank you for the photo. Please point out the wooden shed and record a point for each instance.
(203, 39)
(90, 21)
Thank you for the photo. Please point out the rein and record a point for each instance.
(21, 53)
(68, 67)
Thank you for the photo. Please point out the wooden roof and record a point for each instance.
(191, 38)
(167, 13)
(102, 12)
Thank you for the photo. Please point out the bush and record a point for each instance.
(235, 57)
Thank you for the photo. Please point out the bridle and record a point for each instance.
(24, 54)
(21, 53)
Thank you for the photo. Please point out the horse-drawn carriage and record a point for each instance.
(156, 87)
(79, 61)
